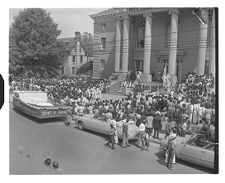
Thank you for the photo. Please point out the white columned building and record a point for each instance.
(132, 44)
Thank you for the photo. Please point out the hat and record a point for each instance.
(47, 162)
(157, 113)
(108, 115)
(55, 165)
(164, 109)
(172, 136)
(132, 116)
(138, 116)
(142, 127)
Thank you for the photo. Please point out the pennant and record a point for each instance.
(202, 15)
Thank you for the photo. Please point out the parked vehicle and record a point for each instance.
(100, 125)
(36, 104)
(196, 150)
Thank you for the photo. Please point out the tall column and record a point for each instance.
(148, 42)
(202, 47)
(173, 43)
(125, 46)
(212, 45)
(146, 76)
(117, 45)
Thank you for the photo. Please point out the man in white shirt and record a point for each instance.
(141, 133)
(150, 100)
(148, 125)
(113, 122)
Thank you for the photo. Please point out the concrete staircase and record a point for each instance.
(115, 87)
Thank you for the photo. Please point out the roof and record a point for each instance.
(111, 11)
(71, 42)
(131, 11)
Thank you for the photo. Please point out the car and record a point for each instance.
(100, 125)
(37, 105)
(195, 149)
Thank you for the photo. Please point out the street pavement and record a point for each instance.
(79, 152)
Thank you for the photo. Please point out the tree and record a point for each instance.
(33, 45)
(86, 68)
(87, 41)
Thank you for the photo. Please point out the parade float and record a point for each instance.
(37, 104)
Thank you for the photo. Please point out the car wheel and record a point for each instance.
(80, 125)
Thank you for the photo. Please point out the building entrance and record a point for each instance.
(138, 65)
(164, 64)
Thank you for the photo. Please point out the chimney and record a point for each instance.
(77, 34)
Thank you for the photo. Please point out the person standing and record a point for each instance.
(164, 119)
(113, 121)
(125, 134)
(199, 127)
(171, 108)
(167, 129)
(111, 136)
(212, 133)
(148, 125)
(171, 150)
(146, 140)
(69, 117)
(141, 132)
(156, 125)
(190, 112)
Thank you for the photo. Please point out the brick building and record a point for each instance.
(151, 39)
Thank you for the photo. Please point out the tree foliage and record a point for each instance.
(87, 42)
(86, 68)
(33, 45)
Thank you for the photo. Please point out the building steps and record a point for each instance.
(115, 88)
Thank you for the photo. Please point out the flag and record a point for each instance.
(202, 15)
(164, 71)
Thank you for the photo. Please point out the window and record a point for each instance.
(207, 66)
(73, 70)
(141, 37)
(103, 27)
(80, 49)
(74, 58)
(103, 41)
(167, 33)
(62, 70)
(102, 65)
(81, 59)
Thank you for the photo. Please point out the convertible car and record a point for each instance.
(36, 104)
(194, 150)
(100, 125)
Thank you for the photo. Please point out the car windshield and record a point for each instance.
(209, 147)
(100, 117)
(198, 140)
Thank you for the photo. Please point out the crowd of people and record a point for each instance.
(190, 103)
(175, 111)
(63, 90)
